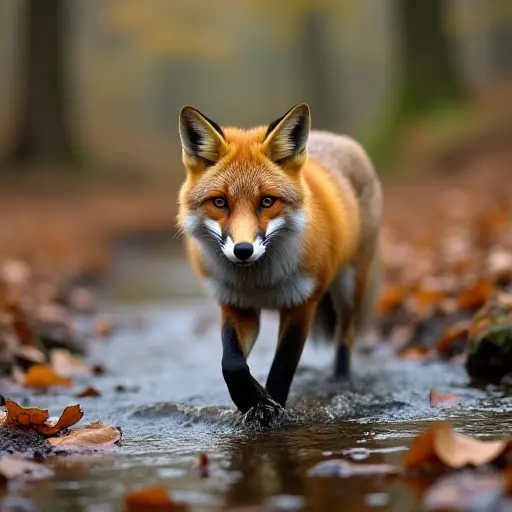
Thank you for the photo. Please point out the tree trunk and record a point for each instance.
(43, 134)
(313, 57)
(429, 75)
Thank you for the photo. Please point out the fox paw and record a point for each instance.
(266, 413)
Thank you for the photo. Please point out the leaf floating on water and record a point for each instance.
(94, 435)
(441, 445)
(343, 468)
(152, 499)
(37, 419)
(443, 399)
(43, 376)
(87, 392)
(19, 467)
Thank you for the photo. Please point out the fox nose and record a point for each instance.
(243, 250)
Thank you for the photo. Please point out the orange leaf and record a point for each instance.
(442, 399)
(414, 353)
(152, 499)
(391, 299)
(475, 296)
(455, 332)
(440, 444)
(90, 391)
(42, 375)
(95, 435)
(37, 419)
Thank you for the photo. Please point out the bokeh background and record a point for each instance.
(90, 92)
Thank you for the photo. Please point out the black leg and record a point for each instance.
(293, 331)
(244, 389)
(239, 329)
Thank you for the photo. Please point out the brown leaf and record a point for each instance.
(103, 326)
(42, 375)
(440, 445)
(391, 299)
(412, 353)
(443, 400)
(476, 295)
(345, 469)
(454, 333)
(67, 364)
(90, 391)
(20, 325)
(32, 417)
(18, 467)
(94, 435)
(152, 499)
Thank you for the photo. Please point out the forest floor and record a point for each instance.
(444, 320)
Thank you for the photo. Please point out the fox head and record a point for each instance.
(243, 196)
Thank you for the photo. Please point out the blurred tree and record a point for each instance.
(43, 134)
(429, 75)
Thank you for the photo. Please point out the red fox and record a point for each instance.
(282, 218)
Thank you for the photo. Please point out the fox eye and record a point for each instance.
(219, 202)
(267, 202)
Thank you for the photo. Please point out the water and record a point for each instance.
(166, 353)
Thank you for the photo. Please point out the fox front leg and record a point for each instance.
(239, 331)
(294, 326)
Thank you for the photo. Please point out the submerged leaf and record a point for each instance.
(152, 499)
(345, 469)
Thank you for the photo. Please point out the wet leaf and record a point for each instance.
(454, 334)
(32, 417)
(476, 295)
(87, 392)
(67, 364)
(443, 399)
(441, 445)
(18, 467)
(412, 353)
(94, 435)
(103, 326)
(152, 499)
(43, 376)
(343, 468)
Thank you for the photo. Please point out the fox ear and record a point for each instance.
(201, 138)
(287, 137)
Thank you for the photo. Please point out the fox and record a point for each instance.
(283, 218)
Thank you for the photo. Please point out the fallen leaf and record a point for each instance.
(442, 399)
(152, 499)
(202, 464)
(391, 299)
(20, 325)
(32, 417)
(455, 333)
(67, 364)
(103, 326)
(19, 467)
(94, 435)
(414, 353)
(476, 295)
(43, 376)
(343, 468)
(441, 445)
(90, 391)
